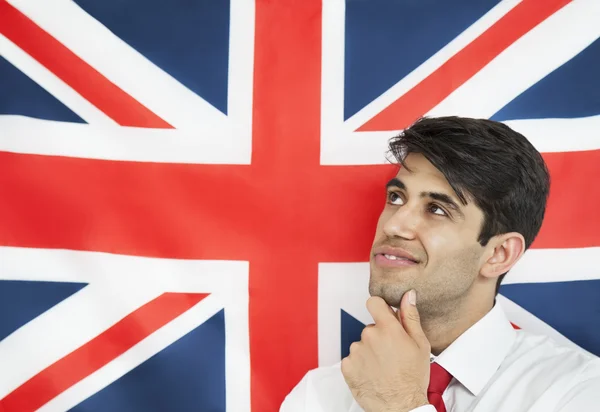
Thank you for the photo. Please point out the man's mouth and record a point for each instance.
(393, 261)
(387, 256)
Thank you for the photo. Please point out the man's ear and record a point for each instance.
(503, 252)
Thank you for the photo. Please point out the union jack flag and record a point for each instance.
(189, 189)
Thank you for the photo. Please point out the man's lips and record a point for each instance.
(386, 261)
(394, 251)
(388, 256)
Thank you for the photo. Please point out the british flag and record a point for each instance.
(189, 189)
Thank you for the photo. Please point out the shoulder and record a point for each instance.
(544, 355)
(323, 389)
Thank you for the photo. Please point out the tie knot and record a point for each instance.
(439, 380)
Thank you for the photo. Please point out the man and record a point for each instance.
(466, 204)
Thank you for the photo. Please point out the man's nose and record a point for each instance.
(404, 223)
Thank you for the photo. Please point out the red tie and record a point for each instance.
(438, 382)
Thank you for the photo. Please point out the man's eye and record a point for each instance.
(394, 198)
(436, 210)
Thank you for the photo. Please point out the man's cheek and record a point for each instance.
(438, 241)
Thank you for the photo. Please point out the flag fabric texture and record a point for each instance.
(189, 189)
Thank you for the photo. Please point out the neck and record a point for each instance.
(442, 327)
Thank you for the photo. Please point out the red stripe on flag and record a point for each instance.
(571, 215)
(131, 208)
(101, 350)
(188, 211)
(285, 160)
(463, 65)
(351, 203)
(79, 75)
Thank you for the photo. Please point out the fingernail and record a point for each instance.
(412, 297)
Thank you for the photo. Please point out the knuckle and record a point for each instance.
(346, 369)
(354, 347)
(367, 333)
(345, 366)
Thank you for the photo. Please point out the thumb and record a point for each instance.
(409, 316)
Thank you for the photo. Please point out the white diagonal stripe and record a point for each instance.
(64, 328)
(52, 84)
(430, 65)
(118, 285)
(237, 359)
(127, 68)
(528, 60)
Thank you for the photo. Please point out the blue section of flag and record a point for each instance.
(351, 330)
(187, 39)
(387, 39)
(21, 95)
(22, 301)
(188, 375)
(572, 90)
(573, 308)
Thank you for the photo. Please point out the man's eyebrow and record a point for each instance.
(445, 199)
(395, 182)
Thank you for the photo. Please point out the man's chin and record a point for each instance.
(391, 293)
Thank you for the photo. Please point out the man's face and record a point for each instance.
(425, 239)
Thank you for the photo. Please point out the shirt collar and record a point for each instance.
(476, 355)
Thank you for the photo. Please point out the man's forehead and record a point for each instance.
(419, 166)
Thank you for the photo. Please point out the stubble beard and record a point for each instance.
(388, 285)
(437, 297)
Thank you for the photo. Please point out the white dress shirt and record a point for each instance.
(495, 368)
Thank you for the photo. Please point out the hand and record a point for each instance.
(388, 370)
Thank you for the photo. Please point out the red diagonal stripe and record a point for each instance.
(101, 350)
(79, 75)
(463, 65)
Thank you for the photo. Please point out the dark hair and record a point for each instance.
(489, 163)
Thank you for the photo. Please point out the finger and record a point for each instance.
(369, 326)
(409, 316)
(380, 311)
(349, 363)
